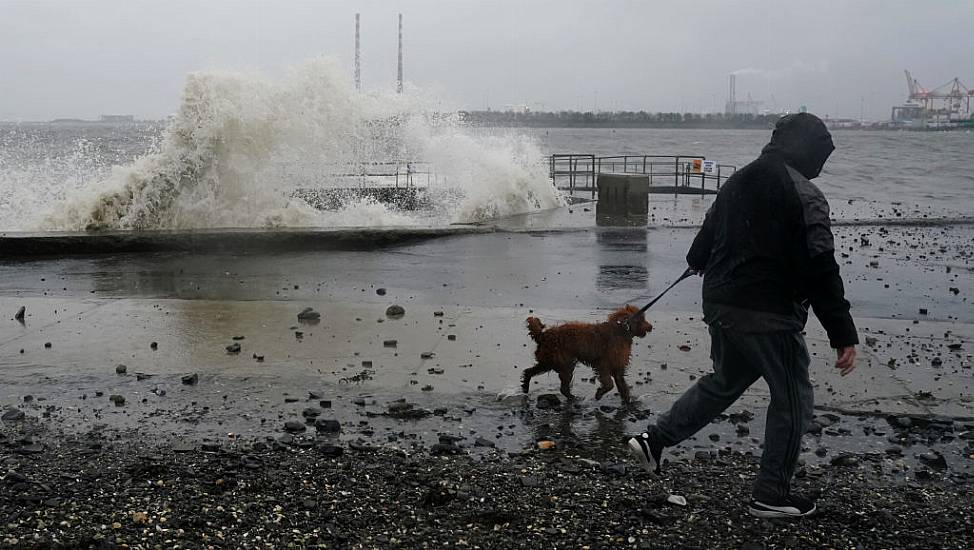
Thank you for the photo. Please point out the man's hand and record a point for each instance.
(846, 359)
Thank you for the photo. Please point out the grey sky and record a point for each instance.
(84, 58)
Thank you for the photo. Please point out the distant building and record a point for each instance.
(115, 119)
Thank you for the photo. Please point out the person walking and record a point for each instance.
(766, 254)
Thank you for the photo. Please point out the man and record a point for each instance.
(766, 253)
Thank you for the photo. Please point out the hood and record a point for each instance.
(803, 141)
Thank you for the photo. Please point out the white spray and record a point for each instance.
(242, 144)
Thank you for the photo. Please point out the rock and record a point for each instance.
(451, 337)
(47, 345)
(441, 449)
(233, 348)
(328, 425)
(871, 341)
(845, 460)
(395, 311)
(311, 412)
(677, 500)
(12, 415)
(324, 404)
(183, 447)
(753, 545)
(481, 442)
(546, 444)
(426, 355)
(923, 311)
(702, 456)
(118, 400)
(380, 291)
(140, 376)
(684, 347)
(821, 452)
(937, 362)
(19, 316)
(153, 345)
(742, 430)
(530, 481)
(390, 343)
(294, 426)
(934, 460)
(190, 379)
(309, 314)
(903, 421)
(120, 369)
(616, 469)
(548, 401)
(330, 451)
(714, 437)
(955, 347)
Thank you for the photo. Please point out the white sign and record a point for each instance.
(709, 167)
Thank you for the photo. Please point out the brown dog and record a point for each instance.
(606, 347)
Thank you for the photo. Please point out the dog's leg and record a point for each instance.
(606, 380)
(566, 375)
(529, 373)
(624, 392)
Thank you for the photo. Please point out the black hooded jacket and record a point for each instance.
(766, 244)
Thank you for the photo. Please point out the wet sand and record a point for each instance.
(901, 425)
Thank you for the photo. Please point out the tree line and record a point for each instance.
(618, 119)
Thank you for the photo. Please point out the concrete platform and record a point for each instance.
(216, 240)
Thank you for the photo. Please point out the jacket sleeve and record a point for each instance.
(699, 252)
(822, 282)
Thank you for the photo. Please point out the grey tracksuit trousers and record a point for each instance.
(739, 359)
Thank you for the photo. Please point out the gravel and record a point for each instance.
(106, 490)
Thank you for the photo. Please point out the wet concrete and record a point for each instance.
(462, 366)
(20, 245)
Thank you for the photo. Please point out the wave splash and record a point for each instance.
(242, 146)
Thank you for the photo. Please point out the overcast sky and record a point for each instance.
(84, 58)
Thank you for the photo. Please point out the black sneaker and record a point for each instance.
(647, 451)
(792, 506)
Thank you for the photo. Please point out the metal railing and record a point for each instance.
(579, 172)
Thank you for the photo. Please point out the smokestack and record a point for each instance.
(732, 95)
(358, 61)
(399, 78)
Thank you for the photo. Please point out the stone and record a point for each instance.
(548, 401)
(12, 415)
(618, 469)
(118, 400)
(324, 404)
(441, 449)
(677, 500)
(294, 426)
(390, 343)
(330, 451)
(934, 460)
(233, 348)
(190, 379)
(530, 481)
(120, 369)
(328, 425)
(395, 311)
(308, 314)
(153, 345)
(481, 442)
(845, 460)
(19, 316)
(140, 376)
(380, 291)
(311, 412)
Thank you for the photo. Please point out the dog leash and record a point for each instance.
(690, 271)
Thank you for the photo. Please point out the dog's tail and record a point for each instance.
(535, 326)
